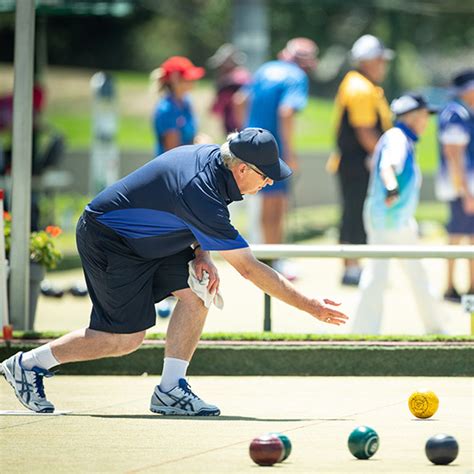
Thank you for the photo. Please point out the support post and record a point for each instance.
(468, 305)
(21, 162)
(267, 319)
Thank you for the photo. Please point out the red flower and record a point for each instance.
(53, 230)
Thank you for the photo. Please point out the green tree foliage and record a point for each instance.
(193, 28)
(437, 35)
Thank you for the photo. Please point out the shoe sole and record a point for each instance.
(452, 300)
(347, 283)
(177, 412)
(10, 379)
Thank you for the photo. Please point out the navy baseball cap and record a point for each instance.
(409, 103)
(258, 147)
(464, 81)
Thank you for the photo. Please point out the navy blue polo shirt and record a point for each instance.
(172, 201)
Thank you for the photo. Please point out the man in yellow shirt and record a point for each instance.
(363, 115)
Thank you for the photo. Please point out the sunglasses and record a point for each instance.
(253, 168)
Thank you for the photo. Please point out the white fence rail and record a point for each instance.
(273, 251)
(362, 251)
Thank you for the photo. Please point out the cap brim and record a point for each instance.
(430, 109)
(388, 54)
(193, 74)
(217, 61)
(463, 88)
(276, 172)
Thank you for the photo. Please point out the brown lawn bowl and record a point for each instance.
(266, 450)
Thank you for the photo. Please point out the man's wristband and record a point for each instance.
(395, 192)
(195, 246)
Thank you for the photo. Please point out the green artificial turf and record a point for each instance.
(270, 336)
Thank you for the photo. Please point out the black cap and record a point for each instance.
(464, 80)
(409, 103)
(258, 147)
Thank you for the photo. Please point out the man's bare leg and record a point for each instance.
(274, 210)
(185, 326)
(451, 263)
(24, 371)
(274, 207)
(173, 396)
(89, 344)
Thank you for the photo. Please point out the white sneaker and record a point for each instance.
(27, 384)
(180, 400)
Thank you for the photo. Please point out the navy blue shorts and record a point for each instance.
(123, 286)
(459, 223)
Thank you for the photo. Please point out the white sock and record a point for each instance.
(41, 357)
(173, 370)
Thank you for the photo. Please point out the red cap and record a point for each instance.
(183, 66)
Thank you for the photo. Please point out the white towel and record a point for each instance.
(200, 288)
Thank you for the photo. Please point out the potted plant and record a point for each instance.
(43, 256)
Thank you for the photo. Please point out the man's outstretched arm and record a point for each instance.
(274, 284)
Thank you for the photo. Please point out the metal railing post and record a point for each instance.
(267, 313)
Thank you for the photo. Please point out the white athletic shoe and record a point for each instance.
(180, 400)
(27, 384)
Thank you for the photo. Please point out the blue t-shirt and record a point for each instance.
(276, 84)
(395, 148)
(455, 127)
(172, 115)
(172, 201)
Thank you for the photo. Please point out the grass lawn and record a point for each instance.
(69, 108)
(271, 336)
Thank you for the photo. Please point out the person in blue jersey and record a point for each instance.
(278, 91)
(389, 216)
(136, 239)
(455, 179)
(174, 122)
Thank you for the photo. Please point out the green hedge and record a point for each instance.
(357, 360)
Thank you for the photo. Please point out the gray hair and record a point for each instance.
(228, 158)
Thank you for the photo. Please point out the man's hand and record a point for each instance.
(391, 200)
(326, 314)
(204, 263)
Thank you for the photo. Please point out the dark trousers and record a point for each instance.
(353, 190)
